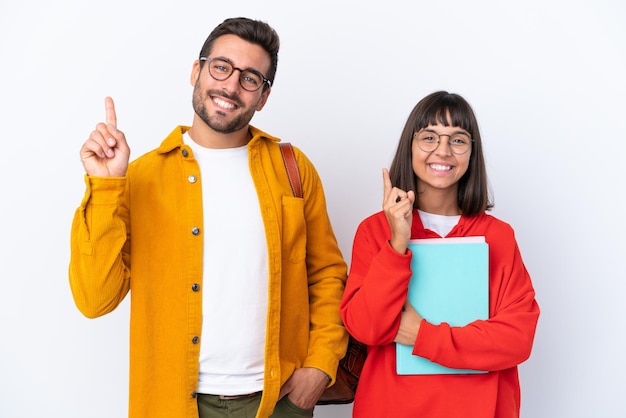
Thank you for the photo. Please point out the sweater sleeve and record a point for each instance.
(99, 270)
(377, 285)
(505, 339)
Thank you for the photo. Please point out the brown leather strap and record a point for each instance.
(292, 168)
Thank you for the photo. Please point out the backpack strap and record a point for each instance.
(292, 168)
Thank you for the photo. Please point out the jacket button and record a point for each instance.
(185, 153)
(195, 230)
(195, 340)
(195, 287)
(192, 179)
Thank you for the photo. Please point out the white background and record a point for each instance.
(547, 82)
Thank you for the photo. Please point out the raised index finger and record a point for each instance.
(387, 186)
(111, 117)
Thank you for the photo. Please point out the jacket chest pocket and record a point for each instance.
(294, 229)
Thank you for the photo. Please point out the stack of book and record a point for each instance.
(449, 283)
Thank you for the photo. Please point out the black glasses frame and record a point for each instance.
(241, 73)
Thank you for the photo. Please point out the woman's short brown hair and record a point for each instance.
(448, 109)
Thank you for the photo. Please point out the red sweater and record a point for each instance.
(375, 293)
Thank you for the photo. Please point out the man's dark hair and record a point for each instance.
(253, 31)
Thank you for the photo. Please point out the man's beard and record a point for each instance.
(217, 123)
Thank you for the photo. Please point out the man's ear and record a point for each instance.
(195, 72)
(263, 99)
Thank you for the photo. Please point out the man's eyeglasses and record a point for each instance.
(220, 69)
(428, 141)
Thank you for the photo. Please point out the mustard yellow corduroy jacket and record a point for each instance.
(143, 234)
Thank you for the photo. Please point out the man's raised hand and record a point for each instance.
(106, 152)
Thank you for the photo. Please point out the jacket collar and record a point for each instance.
(175, 138)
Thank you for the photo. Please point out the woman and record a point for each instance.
(437, 187)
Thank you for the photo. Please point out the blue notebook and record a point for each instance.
(450, 283)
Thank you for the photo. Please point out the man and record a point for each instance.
(235, 283)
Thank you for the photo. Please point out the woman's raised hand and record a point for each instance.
(398, 208)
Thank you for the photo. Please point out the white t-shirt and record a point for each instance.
(235, 274)
(441, 224)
